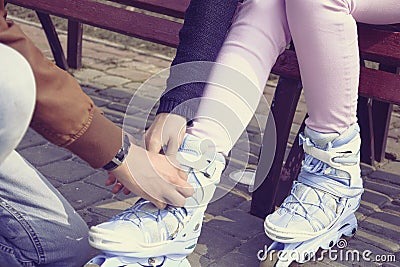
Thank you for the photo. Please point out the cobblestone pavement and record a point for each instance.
(231, 236)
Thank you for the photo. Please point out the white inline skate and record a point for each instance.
(322, 203)
(146, 236)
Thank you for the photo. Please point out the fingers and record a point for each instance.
(152, 144)
(111, 179)
(176, 199)
(117, 187)
(184, 188)
(173, 146)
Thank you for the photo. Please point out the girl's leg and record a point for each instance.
(325, 37)
(329, 186)
(258, 35)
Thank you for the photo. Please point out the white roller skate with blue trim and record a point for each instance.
(322, 203)
(144, 235)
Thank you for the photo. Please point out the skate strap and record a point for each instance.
(330, 186)
(342, 157)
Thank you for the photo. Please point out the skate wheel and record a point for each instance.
(351, 233)
(91, 265)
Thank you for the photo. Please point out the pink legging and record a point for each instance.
(325, 36)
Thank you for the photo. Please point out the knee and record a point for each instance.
(261, 7)
(309, 7)
(18, 91)
(17, 86)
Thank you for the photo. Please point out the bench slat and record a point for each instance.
(173, 8)
(377, 84)
(379, 45)
(130, 23)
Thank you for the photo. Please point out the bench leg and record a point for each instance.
(74, 46)
(374, 120)
(53, 40)
(291, 169)
(283, 108)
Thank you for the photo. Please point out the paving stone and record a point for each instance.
(116, 93)
(31, 139)
(237, 223)
(146, 67)
(374, 198)
(110, 80)
(377, 240)
(387, 189)
(252, 246)
(364, 211)
(45, 154)
(91, 218)
(392, 208)
(393, 145)
(248, 147)
(150, 90)
(245, 206)
(117, 107)
(236, 259)
(116, 118)
(366, 169)
(356, 244)
(137, 122)
(383, 223)
(197, 260)
(132, 86)
(229, 201)
(101, 65)
(108, 207)
(99, 101)
(255, 138)
(241, 156)
(81, 195)
(55, 183)
(86, 75)
(390, 173)
(144, 103)
(215, 243)
(94, 51)
(90, 90)
(66, 171)
(98, 179)
(133, 74)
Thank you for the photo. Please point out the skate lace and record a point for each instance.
(305, 206)
(137, 212)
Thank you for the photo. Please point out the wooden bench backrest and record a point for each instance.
(131, 23)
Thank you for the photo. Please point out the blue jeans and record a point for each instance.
(38, 227)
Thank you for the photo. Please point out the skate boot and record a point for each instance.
(144, 234)
(323, 200)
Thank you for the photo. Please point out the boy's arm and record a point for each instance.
(67, 117)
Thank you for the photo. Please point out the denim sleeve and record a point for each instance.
(201, 38)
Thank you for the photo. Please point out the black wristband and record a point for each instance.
(120, 156)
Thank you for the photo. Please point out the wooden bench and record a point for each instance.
(108, 16)
(381, 45)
